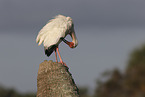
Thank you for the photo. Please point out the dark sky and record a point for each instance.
(35, 13)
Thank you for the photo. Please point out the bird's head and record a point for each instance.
(71, 32)
(74, 42)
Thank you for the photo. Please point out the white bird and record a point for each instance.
(54, 32)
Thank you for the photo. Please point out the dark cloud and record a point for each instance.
(35, 13)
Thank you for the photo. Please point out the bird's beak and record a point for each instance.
(74, 38)
(74, 42)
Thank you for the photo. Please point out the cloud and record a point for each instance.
(35, 13)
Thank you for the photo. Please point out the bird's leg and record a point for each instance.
(70, 44)
(56, 55)
(59, 54)
(60, 57)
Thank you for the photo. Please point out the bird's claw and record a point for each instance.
(63, 63)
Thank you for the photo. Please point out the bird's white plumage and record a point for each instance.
(56, 28)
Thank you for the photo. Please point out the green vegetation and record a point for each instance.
(13, 93)
(129, 84)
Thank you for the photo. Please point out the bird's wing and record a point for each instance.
(50, 35)
(42, 34)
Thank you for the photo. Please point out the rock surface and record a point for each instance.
(54, 80)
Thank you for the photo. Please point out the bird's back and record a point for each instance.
(51, 33)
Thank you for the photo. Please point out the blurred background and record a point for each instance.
(108, 61)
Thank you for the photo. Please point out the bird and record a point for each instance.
(54, 32)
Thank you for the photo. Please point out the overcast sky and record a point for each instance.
(107, 30)
(35, 13)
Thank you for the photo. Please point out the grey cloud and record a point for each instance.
(35, 13)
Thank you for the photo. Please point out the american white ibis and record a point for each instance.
(54, 32)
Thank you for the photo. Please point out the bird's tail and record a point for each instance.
(49, 50)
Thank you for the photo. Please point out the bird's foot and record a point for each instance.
(63, 63)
